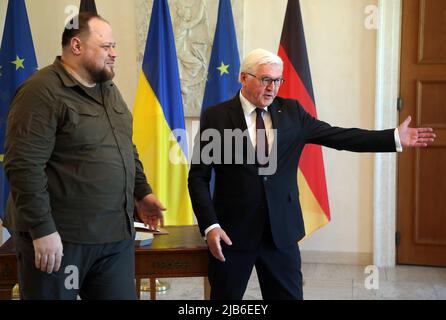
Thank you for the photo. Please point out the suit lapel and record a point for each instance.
(236, 114)
(277, 113)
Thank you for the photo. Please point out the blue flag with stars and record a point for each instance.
(17, 62)
(222, 82)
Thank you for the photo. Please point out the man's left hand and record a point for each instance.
(150, 211)
(415, 137)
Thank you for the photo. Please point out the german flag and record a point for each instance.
(88, 6)
(298, 85)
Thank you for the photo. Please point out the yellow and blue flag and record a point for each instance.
(222, 81)
(17, 62)
(158, 119)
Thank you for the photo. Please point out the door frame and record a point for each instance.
(388, 59)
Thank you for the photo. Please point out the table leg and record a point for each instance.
(207, 288)
(152, 288)
(6, 291)
(138, 288)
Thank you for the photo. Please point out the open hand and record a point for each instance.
(415, 137)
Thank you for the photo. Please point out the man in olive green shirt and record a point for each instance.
(74, 174)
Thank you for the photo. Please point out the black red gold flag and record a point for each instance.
(298, 85)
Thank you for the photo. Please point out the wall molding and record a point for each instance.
(194, 35)
(386, 116)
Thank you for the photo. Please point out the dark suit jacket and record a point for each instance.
(240, 191)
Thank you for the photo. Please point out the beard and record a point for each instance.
(99, 75)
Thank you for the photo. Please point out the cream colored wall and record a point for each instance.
(3, 5)
(342, 59)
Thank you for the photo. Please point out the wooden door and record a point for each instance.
(421, 202)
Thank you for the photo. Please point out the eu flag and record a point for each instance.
(17, 62)
(222, 82)
(224, 66)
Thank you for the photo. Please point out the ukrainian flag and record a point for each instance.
(158, 120)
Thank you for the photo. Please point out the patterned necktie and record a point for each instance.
(261, 139)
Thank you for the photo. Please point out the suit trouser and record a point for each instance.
(278, 271)
(96, 271)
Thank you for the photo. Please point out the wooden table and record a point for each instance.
(8, 269)
(181, 253)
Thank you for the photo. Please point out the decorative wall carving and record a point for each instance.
(193, 23)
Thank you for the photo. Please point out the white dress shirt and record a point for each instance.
(249, 110)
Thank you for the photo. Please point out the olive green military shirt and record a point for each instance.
(70, 160)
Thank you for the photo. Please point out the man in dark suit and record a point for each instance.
(253, 217)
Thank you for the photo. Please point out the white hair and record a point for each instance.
(258, 57)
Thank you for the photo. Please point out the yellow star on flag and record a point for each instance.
(18, 63)
(223, 68)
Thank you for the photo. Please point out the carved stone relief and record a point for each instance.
(193, 23)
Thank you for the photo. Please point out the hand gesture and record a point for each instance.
(149, 210)
(415, 137)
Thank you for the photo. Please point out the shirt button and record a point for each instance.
(265, 179)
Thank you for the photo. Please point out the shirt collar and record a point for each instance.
(247, 106)
(66, 78)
